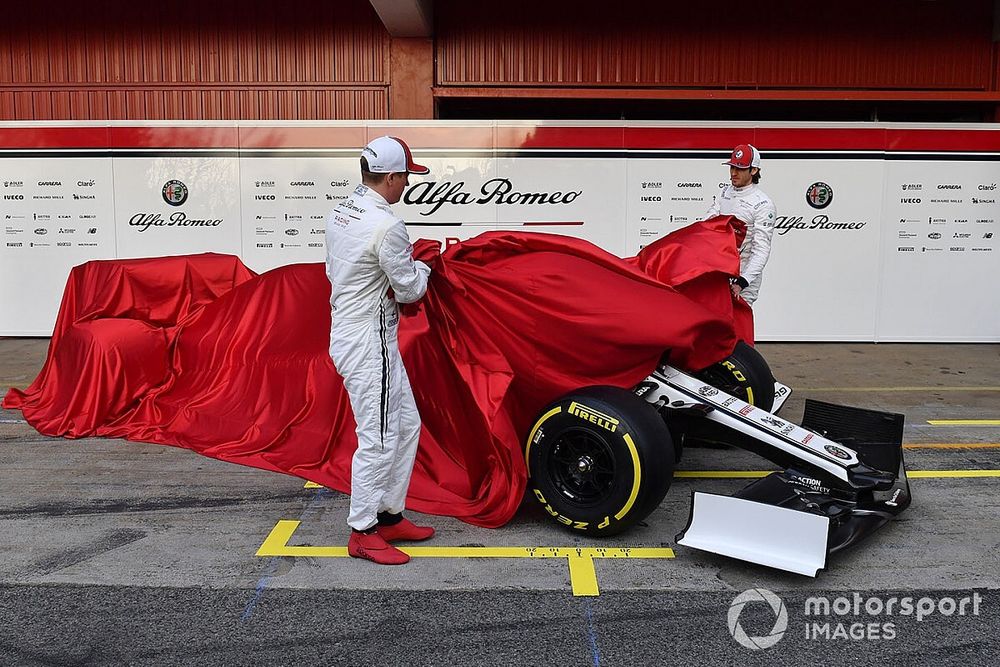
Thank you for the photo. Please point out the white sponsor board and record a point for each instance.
(55, 214)
(869, 245)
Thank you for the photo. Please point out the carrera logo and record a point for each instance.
(50, 183)
(689, 185)
(949, 186)
(606, 422)
(298, 183)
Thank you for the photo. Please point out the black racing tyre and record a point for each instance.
(743, 374)
(599, 460)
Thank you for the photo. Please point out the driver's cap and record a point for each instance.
(390, 155)
(744, 156)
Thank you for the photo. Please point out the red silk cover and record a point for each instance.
(198, 352)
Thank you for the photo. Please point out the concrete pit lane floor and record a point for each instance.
(116, 553)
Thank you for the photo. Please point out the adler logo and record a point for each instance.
(20, 184)
(655, 185)
(264, 184)
(909, 200)
(913, 186)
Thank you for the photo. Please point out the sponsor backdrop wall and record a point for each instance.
(884, 232)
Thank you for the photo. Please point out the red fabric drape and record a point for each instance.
(198, 352)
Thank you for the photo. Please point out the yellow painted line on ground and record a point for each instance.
(582, 574)
(312, 485)
(964, 422)
(751, 474)
(862, 389)
(953, 445)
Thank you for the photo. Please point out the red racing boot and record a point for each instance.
(395, 528)
(372, 546)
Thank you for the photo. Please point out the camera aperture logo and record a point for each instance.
(780, 618)
(851, 616)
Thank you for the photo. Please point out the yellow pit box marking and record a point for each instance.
(582, 574)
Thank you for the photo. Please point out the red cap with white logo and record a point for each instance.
(390, 155)
(744, 156)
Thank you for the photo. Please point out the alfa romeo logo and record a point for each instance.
(780, 618)
(175, 193)
(838, 452)
(819, 195)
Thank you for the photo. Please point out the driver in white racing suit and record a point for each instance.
(369, 260)
(745, 200)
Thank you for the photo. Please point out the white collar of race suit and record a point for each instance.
(365, 191)
(745, 189)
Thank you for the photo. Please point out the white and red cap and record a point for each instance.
(744, 156)
(389, 155)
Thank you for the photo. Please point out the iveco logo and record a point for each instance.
(909, 200)
(13, 197)
(264, 197)
(650, 198)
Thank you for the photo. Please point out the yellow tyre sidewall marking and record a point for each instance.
(636, 477)
(531, 436)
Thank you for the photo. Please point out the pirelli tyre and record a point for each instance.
(599, 460)
(743, 374)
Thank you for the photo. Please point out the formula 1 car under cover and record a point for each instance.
(601, 458)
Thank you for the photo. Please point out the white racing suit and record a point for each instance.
(756, 209)
(367, 252)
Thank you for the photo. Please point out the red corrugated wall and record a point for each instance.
(767, 44)
(110, 59)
